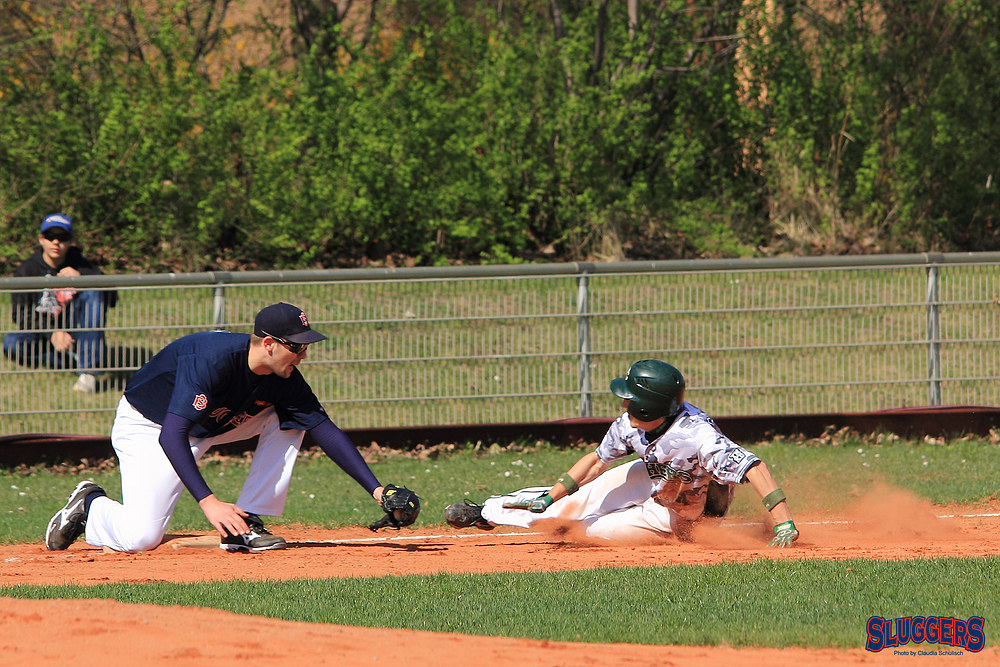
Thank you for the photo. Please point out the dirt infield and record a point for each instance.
(94, 633)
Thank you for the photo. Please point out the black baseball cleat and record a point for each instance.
(257, 538)
(70, 522)
(466, 514)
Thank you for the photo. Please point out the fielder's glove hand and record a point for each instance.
(536, 505)
(784, 534)
(401, 507)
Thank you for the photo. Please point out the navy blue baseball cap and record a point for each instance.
(285, 321)
(57, 221)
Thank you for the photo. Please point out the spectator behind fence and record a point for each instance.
(59, 328)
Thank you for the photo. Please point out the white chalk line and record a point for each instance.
(480, 534)
(831, 523)
(410, 538)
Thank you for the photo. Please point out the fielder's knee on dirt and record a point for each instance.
(111, 525)
(133, 539)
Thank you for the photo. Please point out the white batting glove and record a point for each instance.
(536, 505)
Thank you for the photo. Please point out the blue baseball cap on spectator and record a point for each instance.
(57, 221)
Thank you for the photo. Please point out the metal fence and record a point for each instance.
(496, 344)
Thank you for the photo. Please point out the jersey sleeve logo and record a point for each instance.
(736, 456)
(200, 402)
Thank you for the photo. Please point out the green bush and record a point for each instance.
(441, 131)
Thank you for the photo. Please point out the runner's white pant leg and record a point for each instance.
(496, 513)
(636, 522)
(624, 486)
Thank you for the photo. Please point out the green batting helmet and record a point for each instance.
(653, 389)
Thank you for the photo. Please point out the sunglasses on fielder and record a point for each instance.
(294, 348)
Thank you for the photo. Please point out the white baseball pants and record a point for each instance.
(151, 488)
(615, 506)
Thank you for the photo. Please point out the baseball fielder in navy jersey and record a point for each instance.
(201, 390)
(686, 469)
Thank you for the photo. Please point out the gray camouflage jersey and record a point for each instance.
(683, 460)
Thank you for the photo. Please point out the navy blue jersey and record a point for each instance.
(205, 377)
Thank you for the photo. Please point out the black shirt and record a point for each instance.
(34, 310)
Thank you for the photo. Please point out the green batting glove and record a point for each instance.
(540, 504)
(536, 505)
(784, 534)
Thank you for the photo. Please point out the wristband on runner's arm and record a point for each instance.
(567, 481)
(772, 499)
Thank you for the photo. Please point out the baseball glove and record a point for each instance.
(401, 507)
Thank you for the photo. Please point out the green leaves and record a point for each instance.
(446, 131)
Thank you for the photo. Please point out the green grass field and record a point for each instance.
(817, 474)
(765, 603)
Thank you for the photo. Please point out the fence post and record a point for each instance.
(933, 337)
(583, 339)
(219, 304)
